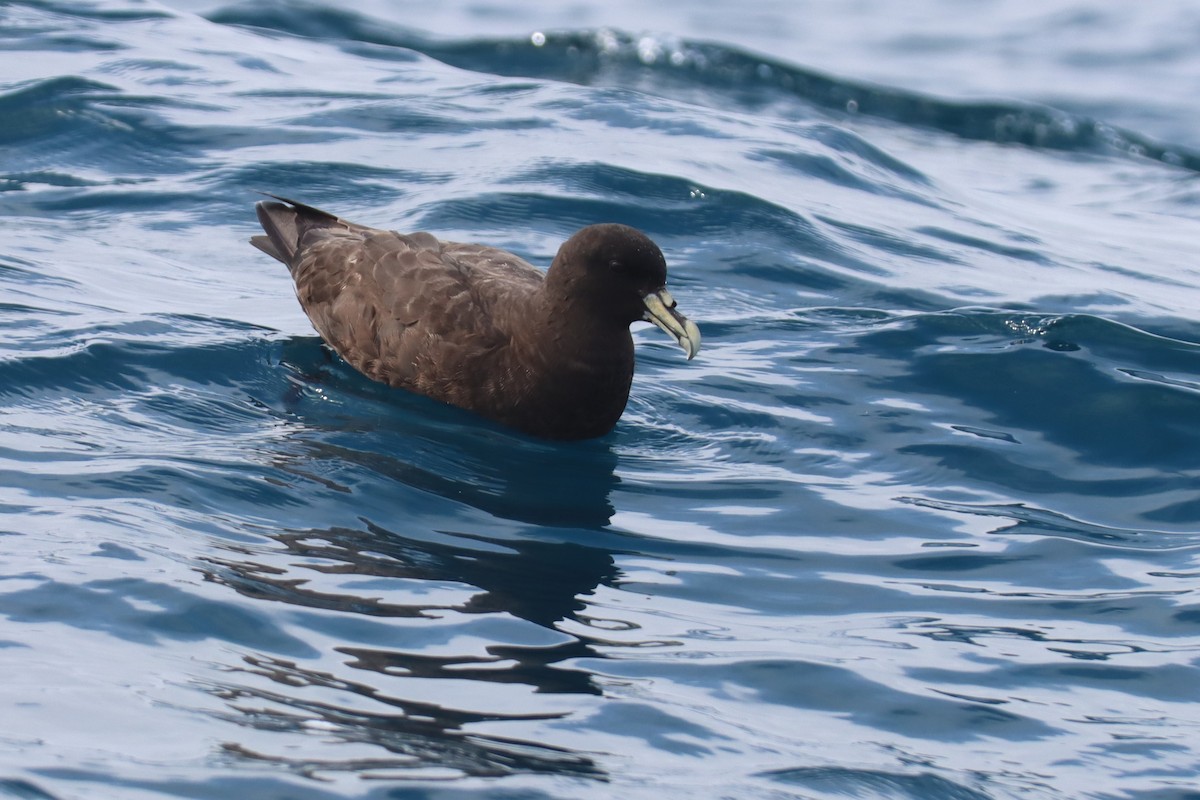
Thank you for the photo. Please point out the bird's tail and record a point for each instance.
(285, 222)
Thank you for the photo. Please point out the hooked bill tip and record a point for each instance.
(660, 309)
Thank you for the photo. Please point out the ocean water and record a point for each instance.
(922, 520)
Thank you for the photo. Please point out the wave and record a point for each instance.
(691, 70)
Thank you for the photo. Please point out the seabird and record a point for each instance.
(478, 327)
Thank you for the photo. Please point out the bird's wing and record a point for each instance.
(408, 309)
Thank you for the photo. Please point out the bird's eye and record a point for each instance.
(616, 266)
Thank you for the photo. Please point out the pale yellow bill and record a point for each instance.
(660, 309)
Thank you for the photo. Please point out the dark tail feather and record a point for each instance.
(264, 243)
(285, 222)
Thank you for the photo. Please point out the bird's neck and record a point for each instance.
(574, 331)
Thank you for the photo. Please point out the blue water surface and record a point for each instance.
(922, 520)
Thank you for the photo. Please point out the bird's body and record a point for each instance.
(478, 327)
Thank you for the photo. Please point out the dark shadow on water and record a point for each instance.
(442, 450)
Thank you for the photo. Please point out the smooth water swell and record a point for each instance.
(676, 67)
(921, 521)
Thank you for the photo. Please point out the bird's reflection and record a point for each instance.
(524, 516)
(536, 581)
(432, 447)
(410, 734)
(541, 582)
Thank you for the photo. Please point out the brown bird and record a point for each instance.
(478, 327)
